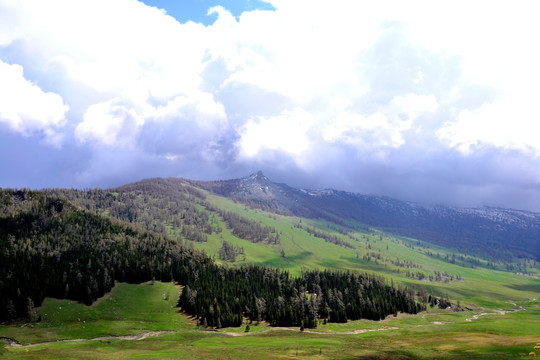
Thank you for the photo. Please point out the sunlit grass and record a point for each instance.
(126, 310)
(133, 309)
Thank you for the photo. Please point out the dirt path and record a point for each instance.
(353, 332)
(501, 312)
(14, 343)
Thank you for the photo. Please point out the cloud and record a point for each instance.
(27, 109)
(186, 126)
(412, 105)
(286, 133)
(501, 124)
(383, 129)
(111, 123)
(385, 97)
(374, 131)
(123, 47)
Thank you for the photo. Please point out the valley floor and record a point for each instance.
(141, 321)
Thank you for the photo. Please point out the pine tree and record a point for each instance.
(11, 311)
(30, 310)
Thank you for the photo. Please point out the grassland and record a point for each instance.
(142, 321)
(99, 331)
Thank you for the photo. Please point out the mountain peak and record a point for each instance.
(257, 177)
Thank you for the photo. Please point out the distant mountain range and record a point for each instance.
(496, 232)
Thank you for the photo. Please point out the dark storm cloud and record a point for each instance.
(28, 162)
(490, 178)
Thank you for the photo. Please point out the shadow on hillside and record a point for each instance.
(526, 287)
(389, 356)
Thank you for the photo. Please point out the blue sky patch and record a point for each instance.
(196, 10)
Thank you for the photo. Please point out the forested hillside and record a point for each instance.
(165, 206)
(177, 208)
(51, 248)
(61, 244)
(170, 207)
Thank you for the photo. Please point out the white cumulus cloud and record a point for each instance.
(25, 107)
(383, 129)
(507, 125)
(183, 123)
(111, 123)
(185, 126)
(287, 133)
(412, 105)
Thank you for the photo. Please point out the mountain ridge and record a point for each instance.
(498, 231)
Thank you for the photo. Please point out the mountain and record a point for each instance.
(238, 265)
(494, 232)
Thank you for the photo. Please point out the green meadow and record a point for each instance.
(73, 331)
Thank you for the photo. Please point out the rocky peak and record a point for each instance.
(257, 177)
(254, 183)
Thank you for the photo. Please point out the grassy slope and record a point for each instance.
(131, 309)
(126, 310)
(481, 287)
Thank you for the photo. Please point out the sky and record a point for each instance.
(427, 101)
